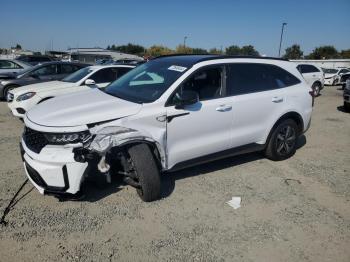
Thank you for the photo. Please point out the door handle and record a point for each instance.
(277, 99)
(224, 108)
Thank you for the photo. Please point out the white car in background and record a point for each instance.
(313, 75)
(332, 75)
(12, 66)
(22, 99)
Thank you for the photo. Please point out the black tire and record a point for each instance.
(346, 107)
(8, 88)
(316, 87)
(282, 145)
(147, 172)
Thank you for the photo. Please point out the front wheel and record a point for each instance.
(283, 141)
(146, 171)
(7, 89)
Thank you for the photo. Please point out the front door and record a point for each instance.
(202, 128)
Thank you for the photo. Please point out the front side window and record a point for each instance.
(46, 70)
(343, 71)
(206, 82)
(68, 69)
(147, 82)
(245, 78)
(5, 64)
(105, 75)
(77, 75)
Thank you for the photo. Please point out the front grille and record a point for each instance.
(9, 97)
(34, 140)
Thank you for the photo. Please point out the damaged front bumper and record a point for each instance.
(54, 170)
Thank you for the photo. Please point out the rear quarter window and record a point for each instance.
(246, 78)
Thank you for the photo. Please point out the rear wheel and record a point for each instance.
(283, 141)
(147, 174)
(316, 87)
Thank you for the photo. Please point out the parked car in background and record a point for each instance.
(332, 75)
(167, 114)
(313, 75)
(41, 73)
(36, 59)
(22, 99)
(343, 79)
(346, 95)
(12, 66)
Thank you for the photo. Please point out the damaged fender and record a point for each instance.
(108, 137)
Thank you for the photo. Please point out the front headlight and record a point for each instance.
(68, 138)
(25, 96)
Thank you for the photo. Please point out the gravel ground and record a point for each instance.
(295, 210)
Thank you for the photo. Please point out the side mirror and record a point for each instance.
(186, 98)
(90, 82)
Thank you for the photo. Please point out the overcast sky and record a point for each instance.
(36, 25)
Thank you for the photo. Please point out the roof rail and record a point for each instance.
(216, 56)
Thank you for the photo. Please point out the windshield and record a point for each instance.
(78, 75)
(147, 82)
(330, 71)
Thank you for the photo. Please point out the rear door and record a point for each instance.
(258, 99)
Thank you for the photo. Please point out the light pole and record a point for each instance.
(185, 38)
(279, 50)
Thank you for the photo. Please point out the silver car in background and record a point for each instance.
(12, 66)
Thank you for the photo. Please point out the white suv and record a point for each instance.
(169, 113)
(313, 75)
(23, 98)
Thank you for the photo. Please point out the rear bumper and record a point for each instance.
(54, 170)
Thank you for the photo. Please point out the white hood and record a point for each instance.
(81, 108)
(42, 87)
(329, 75)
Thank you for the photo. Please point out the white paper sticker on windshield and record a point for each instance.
(177, 68)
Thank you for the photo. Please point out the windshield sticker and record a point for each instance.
(177, 68)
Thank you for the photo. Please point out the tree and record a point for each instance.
(215, 51)
(158, 50)
(233, 50)
(345, 53)
(181, 49)
(108, 48)
(199, 51)
(293, 52)
(324, 52)
(249, 50)
(131, 49)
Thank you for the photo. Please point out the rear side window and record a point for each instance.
(68, 69)
(5, 64)
(46, 70)
(105, 75)
(307, 69)
(246, 78)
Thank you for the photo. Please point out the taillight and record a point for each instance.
(312, 94)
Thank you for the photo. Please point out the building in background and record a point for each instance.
(326, 63)
(91, 55)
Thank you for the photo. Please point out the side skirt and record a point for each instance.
(218, 155)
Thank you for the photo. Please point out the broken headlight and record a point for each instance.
(68, 138)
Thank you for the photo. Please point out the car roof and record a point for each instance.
(190, 60)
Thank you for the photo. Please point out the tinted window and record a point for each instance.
(307, 69)
(5, 64)
(207, 83)
(46, 70)
(245, 78)
(105, 75)
(123, 70)
(78, 75)
(343, 71)
(68, 68)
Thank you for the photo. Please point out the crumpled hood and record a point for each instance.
(81, 108)
(329, 75)
(42, 87)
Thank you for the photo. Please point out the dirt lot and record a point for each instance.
(295, 210)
